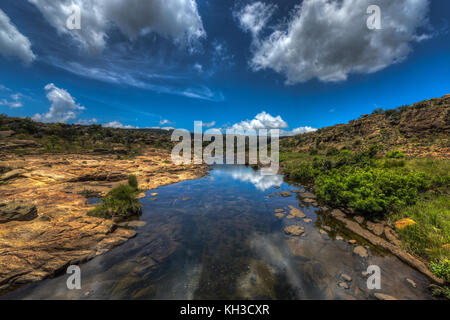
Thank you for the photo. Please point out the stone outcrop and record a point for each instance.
(17, 211)
(59, 232)
(380, 242)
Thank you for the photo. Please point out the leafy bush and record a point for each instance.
(370, 190)
(303, 173)
(441, 270)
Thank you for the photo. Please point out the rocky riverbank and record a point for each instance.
(43, 221)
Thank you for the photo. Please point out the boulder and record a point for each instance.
(285, 194)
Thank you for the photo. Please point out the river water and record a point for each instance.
(218, 238)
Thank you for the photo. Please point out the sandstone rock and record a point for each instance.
(141, 195)
(308, 195)
(403, 223)
(277, 187)
(376, 228)
(133, 224)
(343, 285)
(361, 251)
(307, 200)
(285, 194)
(337, 213)
(17, 211)
(279, 210)
(411, 282)
(295, 213)
(186, 199)
(13, 174)
(382, 296)
(294, 230)
(279, 215)
(307, 220)
(327, 228)
(359, 219)
(154, 194)
(271, 195)
(346, 277)
(391, 236)
(352, 241)
(339, 238)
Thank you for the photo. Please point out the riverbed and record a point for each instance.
(218, 237)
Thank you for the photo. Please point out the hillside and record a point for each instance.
(25, 136)
(418, 130)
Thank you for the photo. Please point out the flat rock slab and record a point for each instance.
(285, 194)
(17, 211)
(295, 213)
(294, 230)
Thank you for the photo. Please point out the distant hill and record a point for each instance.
(419, 130)
(25, 136)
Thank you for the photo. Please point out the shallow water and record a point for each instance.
(226, 243)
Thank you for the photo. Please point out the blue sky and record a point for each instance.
(313, 63)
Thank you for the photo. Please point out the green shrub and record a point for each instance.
(395, 155)
(441, 269)
(133, 182)
(313, 151)
(370, 190)
(303, 173)
(393, 163)
(120, 202)
(332, 151)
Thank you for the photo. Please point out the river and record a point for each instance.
(218, 238)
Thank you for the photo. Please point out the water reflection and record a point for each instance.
(245, 174)
(225, 242)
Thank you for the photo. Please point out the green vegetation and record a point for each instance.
(391, 187)
(30, 137)
(121, 202)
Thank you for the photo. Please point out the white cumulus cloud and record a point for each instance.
(253, 17)
(12, 42)
(63, 106)
(262, 120)
(329, 39)
(177, 19)
(117, 125)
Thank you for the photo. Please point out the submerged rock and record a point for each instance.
(382, 296)
(294, 230)
(361, 251)
(295, 213)
(285, 194)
